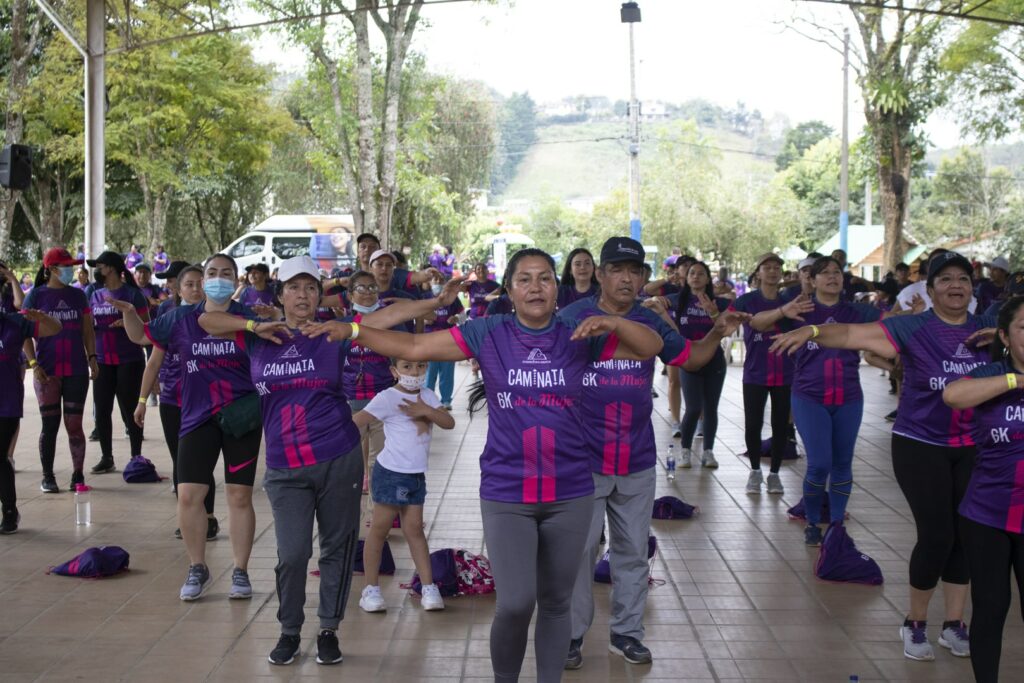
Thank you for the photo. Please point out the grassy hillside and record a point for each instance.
(574, 160)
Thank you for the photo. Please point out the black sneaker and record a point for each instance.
(76, 478)
(212, 528)
(49, 484)
(327, 650)
(103, 466)
(177, 533)
(631, 649)
(574, 659)
(284, 652)
(891, 417)
(9, 525)
(93, 436)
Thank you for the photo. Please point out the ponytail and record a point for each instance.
(43, 276)
(477, 397)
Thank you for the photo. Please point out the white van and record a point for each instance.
(330, 240)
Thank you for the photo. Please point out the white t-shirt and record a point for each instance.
(906, 297)
(406, 441)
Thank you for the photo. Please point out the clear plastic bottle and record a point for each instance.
(83, 507)
(670, 462)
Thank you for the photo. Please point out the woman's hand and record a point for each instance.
(450, 292)
(335, 330)
(275, 331)
(656, 304)
(707, 304)
(917, 304)
(791, 341)
(94, 368)
(120, 305)
(981, 337)
(730, 321)
(267, 312)
(797, 307)
(140, 415)
(39, 374)
(595, 326)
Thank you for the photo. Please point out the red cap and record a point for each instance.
(59, 257)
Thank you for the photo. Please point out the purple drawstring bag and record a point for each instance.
(94, 563)
(140, 470)
(840, 561)
(387, 560)
(603, 568)
(788, 451)
(799, 513)
(670, 507)
(446, 576)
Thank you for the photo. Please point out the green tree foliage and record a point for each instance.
(517, 132)
(799, 139)
(984, 63)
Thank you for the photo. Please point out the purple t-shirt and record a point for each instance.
(693, 321)
(252, 296)
(760, 367)
(133, 259)
(365, 372)
(152, 291)
(62, 355)
(6, 299)
(113, 346)
(616, 404)
(14, 330)
(169, 374)
(934, 353)
(995, 494)
(214, 371)
(500, 306)
(443, 313)
(830, 377)
(568, 294)
(306, 418)
(160, 261)
(536, 451)
(478, 292)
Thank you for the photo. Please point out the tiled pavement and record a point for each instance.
(736, 598)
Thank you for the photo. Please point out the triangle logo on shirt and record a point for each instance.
(537, 356)
(62, 305)
(963, 352)
(291, 352)
(830, 320)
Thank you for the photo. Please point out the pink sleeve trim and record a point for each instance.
(240, 340)
(408, 280)
(460, 341)
(610, 346)
(683, 356)
(149, 336)
(35, 331)
(889, 336)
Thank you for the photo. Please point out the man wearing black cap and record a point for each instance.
(623, 458)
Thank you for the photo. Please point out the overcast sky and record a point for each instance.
(720, 50)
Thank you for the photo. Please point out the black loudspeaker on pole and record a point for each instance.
(16, 167)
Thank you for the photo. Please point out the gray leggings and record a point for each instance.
(524, 542)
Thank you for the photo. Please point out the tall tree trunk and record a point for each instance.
(24, 38)
(894, 183)
(45, 212)
(366, 142)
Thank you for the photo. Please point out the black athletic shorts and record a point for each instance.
(199, 449)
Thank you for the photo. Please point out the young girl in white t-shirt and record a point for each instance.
(409, 411)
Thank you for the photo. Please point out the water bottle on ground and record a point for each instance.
(83, 508)
(670, 462)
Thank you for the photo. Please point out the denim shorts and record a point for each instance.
(397, 488)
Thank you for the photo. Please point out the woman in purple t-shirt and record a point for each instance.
(65, 364)
(579, 278)
(932, 445)
(536, 487)
(992, 509)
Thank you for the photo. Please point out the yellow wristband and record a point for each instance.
(32, 363)
(142, 400)
(1011, 380)
(250, 325)
(715, 315)
(815, 331)
(355, 331)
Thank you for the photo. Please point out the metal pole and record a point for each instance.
(844, 165)
(634, 146)
(95, 113)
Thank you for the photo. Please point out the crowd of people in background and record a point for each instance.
(335, 375)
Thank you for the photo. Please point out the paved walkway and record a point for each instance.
(736, 598)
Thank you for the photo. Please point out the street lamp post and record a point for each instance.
(630, 14)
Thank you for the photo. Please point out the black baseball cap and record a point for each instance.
(947, 259)
(108, 258)
(258, 266)
(173, 270)
(621, 249)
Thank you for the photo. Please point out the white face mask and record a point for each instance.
(412, 382)
(359, 308)
(436, 289)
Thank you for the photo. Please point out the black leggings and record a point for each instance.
(701, 391)
(170, 420)
(755, 396)
(8, 495)
(122, 382)
(991, 553)
(71, 391)
(933, 480)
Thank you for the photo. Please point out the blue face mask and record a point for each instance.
(66, 274)
(436, 289)
(358, 308)
(218, 290)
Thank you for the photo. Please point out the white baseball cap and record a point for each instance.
(999, 262)
(298, 265)
(807, 262)
(382, 252)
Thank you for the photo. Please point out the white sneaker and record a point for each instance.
(775, 483)
(686, 458)
(372, 600)
(754, 481)
(431, 598)
(708, 460)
